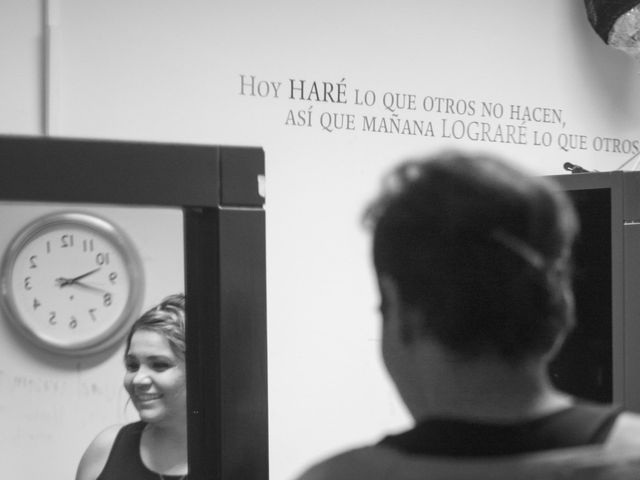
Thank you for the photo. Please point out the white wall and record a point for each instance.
(19, 66)
(170, 70)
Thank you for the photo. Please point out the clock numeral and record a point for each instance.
(27, 283)
(66, 240)
(73, 323)
(32, 261)
(36, 303)
(48, 246)
(107, 299)
(102, 258)
(87, 245)
(92, 314)
(113, 276)
(52, 318)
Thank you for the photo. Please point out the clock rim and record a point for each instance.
(133, 266)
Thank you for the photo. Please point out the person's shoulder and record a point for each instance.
(95, 456)
(379, 462)
(625, 433)
(369, 462)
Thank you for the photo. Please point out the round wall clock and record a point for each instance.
(72, 282)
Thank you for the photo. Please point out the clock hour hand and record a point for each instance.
(63, 282)
(90, 272)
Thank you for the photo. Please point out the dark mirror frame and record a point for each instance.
(622, 189)
(217, 188)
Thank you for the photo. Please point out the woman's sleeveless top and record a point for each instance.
(124, 462)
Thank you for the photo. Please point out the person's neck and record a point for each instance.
(163, 448)
(487, 388)
(174, 432)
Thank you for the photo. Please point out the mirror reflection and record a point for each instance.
(156, 381)
(54, 402)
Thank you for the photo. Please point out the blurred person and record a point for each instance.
(473, 261)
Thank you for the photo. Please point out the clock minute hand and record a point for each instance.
(89, 287)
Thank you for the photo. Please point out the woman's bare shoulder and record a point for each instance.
(625, 431)
(95, 456)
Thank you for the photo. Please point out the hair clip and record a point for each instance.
(520, 248)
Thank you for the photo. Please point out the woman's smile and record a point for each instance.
(155, 378)
(146, 397)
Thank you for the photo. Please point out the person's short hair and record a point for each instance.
(482, 248)
(168, 319)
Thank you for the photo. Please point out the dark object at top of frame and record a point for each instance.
(603, 14)
(131, 173)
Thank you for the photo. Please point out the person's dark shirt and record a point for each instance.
(581, 424)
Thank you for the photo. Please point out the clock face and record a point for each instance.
(72, 283)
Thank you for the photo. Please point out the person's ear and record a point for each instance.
(396, 314)
(389, 296)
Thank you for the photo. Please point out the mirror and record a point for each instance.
(195, 215)
(56, 402)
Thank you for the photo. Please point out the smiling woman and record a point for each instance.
(156, 446)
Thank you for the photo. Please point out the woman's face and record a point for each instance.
(155, 379)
